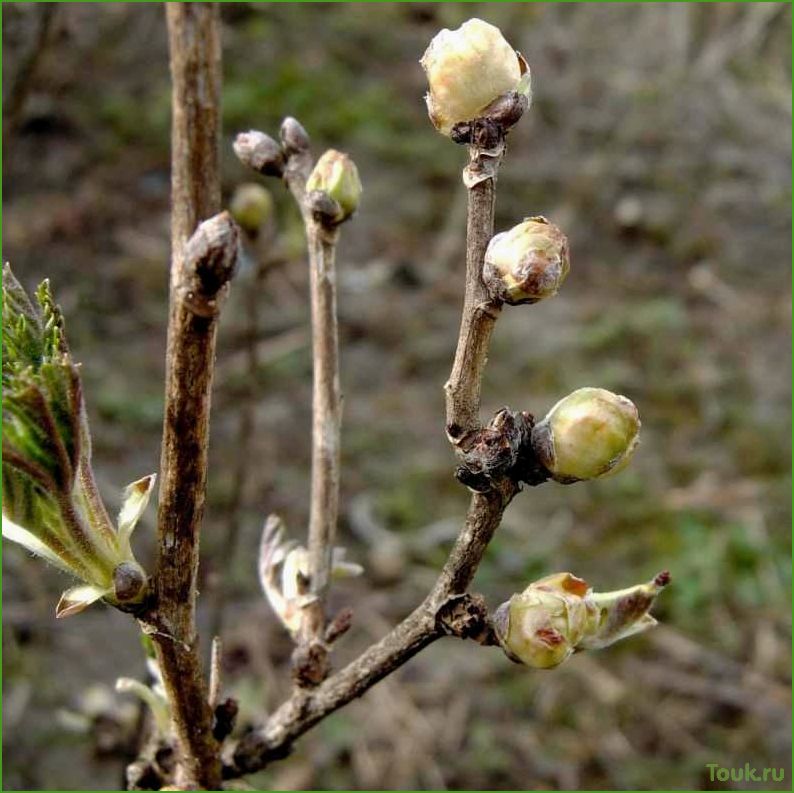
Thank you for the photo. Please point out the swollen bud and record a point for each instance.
(526, 263)
(541, 626)
(553, 618)
(589, 433)
(260, 152)
(251, 206)
(468, 69)
(336, 175)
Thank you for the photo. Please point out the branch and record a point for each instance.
(326, 394)
(479, 310)
(322, 237)
(433, 618)
(200, 270)
(293, 162)
(306, 707)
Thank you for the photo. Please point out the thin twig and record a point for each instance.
(216, 661)
(200, 269)
(326, 416)
(326, 394)
(479, 310)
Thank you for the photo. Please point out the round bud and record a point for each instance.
(526, 263)
(336, 175)
(467, 69)
(558, 615)
(260, 152)
(251, 206)
(129, 582)
(541, 626)
(589, 433)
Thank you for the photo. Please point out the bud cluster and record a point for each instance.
(478, 88)
(333, 188)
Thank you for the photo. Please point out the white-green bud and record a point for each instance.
(590, 433)
(468, 69)
(251, 206)
(558, 615)
(526, 263)
(336, 175)
(541, 626)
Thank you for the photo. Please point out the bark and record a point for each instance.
(200, 269)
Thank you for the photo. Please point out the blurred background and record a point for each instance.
(660, 140)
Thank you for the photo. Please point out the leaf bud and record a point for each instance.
(526, 263)
(294, 137)
(260, 152)
(251, 206)
(129, 583)
(558, 615)
(468, 69)
(590, 433)
(336, 175)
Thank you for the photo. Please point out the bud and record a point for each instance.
(559, 615)
(336, 175)
(152, 695)
(589, 433)
(51, 506)
(527, 263)
(251, 206)
(467, 69)
(284, 573)
(260, 152)
(294, 137)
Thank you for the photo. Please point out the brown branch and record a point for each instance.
(200, 269)
(422, 627)
(295, 164)
(433, 618)
(326, 416)
(479, 310)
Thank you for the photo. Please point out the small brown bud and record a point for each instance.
(260, 152)
(294, 137)
(129, 582)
